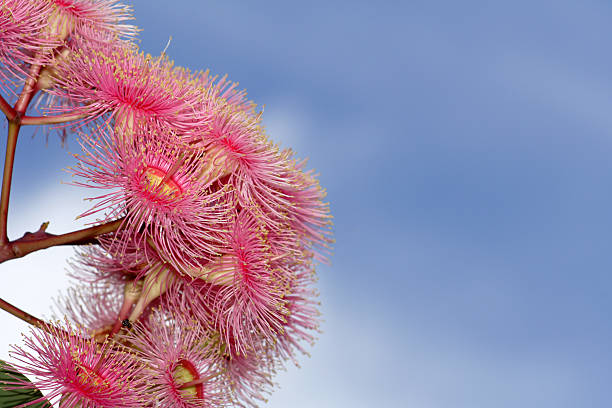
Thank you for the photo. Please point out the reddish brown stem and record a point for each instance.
(29, 89)
(51, 120)
(11, 144)
(26, 317)
(34, 321)
(32, 242)
(7, 109)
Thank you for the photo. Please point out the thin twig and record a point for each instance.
(27, 93)
(31, 242)
(34, 321)
(52, 120)
(26, 317)
(11, 144)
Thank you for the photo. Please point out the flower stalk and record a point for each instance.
(29, 89)
(41, 239)
(26, 317)
(52, 120)
(11, 145)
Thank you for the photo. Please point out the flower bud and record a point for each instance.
(49, 74)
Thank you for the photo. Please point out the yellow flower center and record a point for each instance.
(158, 183)
(185, 372)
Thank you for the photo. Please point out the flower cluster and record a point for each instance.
(204, 286)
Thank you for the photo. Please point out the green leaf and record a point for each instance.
(13, 398)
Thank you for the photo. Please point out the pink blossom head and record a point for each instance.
(78, 371)
(122, 86)
(257, 291)
(179, 368)
(246, 375)
(153, 184)
(240, 288)
(268, 182)
(234, 141)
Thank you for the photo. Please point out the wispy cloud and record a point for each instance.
(31, 282)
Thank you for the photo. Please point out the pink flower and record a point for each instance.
(268, 182)
(240, 288)
(78, 371)
(248, 375)
(237, 147)
(154, 185)
(179, 369)
(124, 87)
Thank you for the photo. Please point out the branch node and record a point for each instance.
(43, 226)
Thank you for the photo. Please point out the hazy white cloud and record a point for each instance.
(31, 282)
(367, 363)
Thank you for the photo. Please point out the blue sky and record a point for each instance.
(465, 148)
